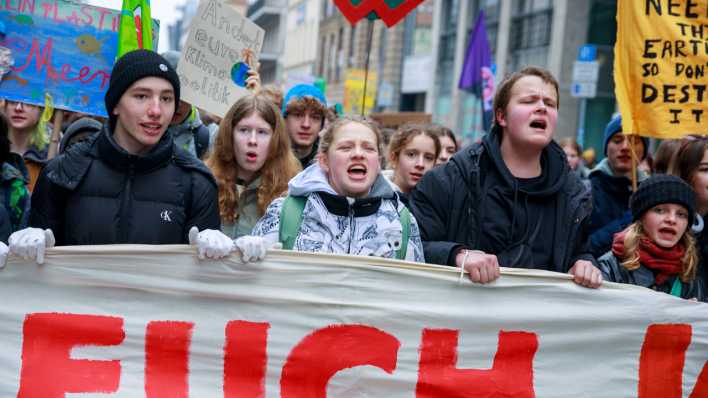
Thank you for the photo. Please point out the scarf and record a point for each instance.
(664, 262)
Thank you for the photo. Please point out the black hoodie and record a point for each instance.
(475, 202)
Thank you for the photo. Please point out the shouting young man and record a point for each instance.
(510, 200)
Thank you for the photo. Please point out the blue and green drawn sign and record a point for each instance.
(64, 48)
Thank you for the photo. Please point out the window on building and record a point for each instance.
(321, 56)
(446, 48)
(530, 34)
(491, 11)
(332, 62)
(350, 53)
(340, 55)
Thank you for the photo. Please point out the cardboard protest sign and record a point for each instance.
(222, 45)
(61, 47)
(153, 321)
(354, 91)
(661, 58)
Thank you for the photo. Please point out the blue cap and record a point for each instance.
(301, 91)
(614, 127)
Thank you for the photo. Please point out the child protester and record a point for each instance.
(657, 250)
(252, 162)
(412, 151)
(340, 204)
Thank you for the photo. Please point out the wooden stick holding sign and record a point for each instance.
(53, 148)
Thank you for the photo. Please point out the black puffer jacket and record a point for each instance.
(473, 202)
(613, 271)
(97, 193)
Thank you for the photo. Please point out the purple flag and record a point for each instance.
(477, 76)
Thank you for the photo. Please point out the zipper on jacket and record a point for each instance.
(352, 224)
(125, 207)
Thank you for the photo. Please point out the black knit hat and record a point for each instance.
(660, 189)
(133, 66)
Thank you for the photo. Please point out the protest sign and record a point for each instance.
(354, 91)
(61, 47)
(154, 321)
(661, 58)
(221, 46)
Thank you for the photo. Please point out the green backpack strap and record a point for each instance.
(290, 220)
(405, 217)
(676, 287)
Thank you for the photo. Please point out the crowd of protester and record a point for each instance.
(284, 170)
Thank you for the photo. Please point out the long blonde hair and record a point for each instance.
(630, 258)
(280, 166)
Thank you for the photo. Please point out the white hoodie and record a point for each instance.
(359, 227)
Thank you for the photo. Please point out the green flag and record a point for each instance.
(135, 29)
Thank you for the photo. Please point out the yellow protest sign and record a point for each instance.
(661, 57)
(354, 91)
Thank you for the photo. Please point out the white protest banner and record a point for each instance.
(153, 321)
(221, 46)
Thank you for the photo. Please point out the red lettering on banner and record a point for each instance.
(511, 374)
(245, 359)
(167, 359)
(701, 388)
(661, 363)
(324, 352)
(47, 369)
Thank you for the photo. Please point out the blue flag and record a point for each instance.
(477, 76)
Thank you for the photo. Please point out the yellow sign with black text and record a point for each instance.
(661, 57)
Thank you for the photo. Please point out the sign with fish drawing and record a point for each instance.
(64, 48)
(221, 47)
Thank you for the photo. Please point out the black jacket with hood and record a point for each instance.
(474, 202)
(98, 193)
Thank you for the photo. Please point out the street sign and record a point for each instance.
(586, 71)
(587, 52)
(583, 90)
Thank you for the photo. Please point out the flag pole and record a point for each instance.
(369, 39)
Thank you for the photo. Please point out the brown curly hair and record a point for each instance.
(280, 166)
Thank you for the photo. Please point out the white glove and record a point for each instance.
(31, 243)
(211, 243)
(253, 248)
(4, 251)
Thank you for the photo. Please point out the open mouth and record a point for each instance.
(357, 172)
(538, 124)
(151, 128)
(667, 232)
(251, 156)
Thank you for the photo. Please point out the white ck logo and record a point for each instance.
(165, 215)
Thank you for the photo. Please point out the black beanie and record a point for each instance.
(133, 66)
(660, 189)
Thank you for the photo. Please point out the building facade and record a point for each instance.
(301, 38)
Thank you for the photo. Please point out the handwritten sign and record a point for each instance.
(153, 321)
(61, 47)
(221, 46)
(661, 58)
(354, 91)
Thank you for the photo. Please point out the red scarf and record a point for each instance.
(664, 262)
